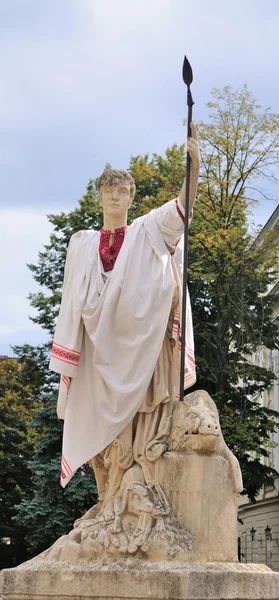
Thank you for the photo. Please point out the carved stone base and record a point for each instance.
(133, 579)
(200, 491)
(145, 542)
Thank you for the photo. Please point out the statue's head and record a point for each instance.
(116, 190)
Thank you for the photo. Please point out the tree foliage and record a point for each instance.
(231, 271)
(18, 398)
(50, 511)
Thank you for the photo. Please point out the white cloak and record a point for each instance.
(109, 335)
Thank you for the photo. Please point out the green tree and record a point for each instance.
(50, 510)
(46, 511)
(230, 273)
(18, 398)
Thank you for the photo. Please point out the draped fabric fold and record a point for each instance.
(112, 328)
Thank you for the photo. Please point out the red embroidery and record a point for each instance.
(66, 348)
(191, 363)
(189, 355)
(176, 326)
(109, 253)
(66, 380)
(63, 475)
(179, 211)
(65, 354)
(65, 467)
(188, 377)
(172, 251)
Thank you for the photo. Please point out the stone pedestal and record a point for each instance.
(138, 580)
(199, 488)
(169, 535)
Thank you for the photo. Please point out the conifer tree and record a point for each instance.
(19, 396)
(50, 510)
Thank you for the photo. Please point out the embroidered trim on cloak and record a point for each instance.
(173, 247)
(66, 381)
(65, 354)
(179, 211)
(65, 468)
(176, 334)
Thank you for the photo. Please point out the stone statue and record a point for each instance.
(116, 339)
(165, 525)
(152, 517)
(116, 347)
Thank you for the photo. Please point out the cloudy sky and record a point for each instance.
(85, 82)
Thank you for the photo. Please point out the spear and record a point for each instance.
(187, 75)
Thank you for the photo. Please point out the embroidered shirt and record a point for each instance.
(109, 252)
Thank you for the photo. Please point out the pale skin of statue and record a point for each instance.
(115, 201)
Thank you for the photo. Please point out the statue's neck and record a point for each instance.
(114, 222)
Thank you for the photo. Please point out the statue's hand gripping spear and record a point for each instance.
(187, 78)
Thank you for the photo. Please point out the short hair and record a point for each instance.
(116, 177)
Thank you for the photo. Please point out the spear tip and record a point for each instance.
(187, 72)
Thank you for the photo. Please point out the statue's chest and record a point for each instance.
(110, 246)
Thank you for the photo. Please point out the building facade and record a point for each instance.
(259, 521)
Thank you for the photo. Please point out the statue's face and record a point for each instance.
(115, 199)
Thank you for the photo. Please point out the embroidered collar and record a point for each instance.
(109, 253)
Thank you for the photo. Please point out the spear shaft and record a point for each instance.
(187, 78)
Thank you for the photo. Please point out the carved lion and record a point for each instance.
(196, 428)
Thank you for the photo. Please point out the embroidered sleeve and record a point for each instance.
(64, 354)
(68, 336)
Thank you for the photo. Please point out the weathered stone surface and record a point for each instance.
(135, 579)
(196, 428)
(171, 535)
(183, 508)
(200, 490)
